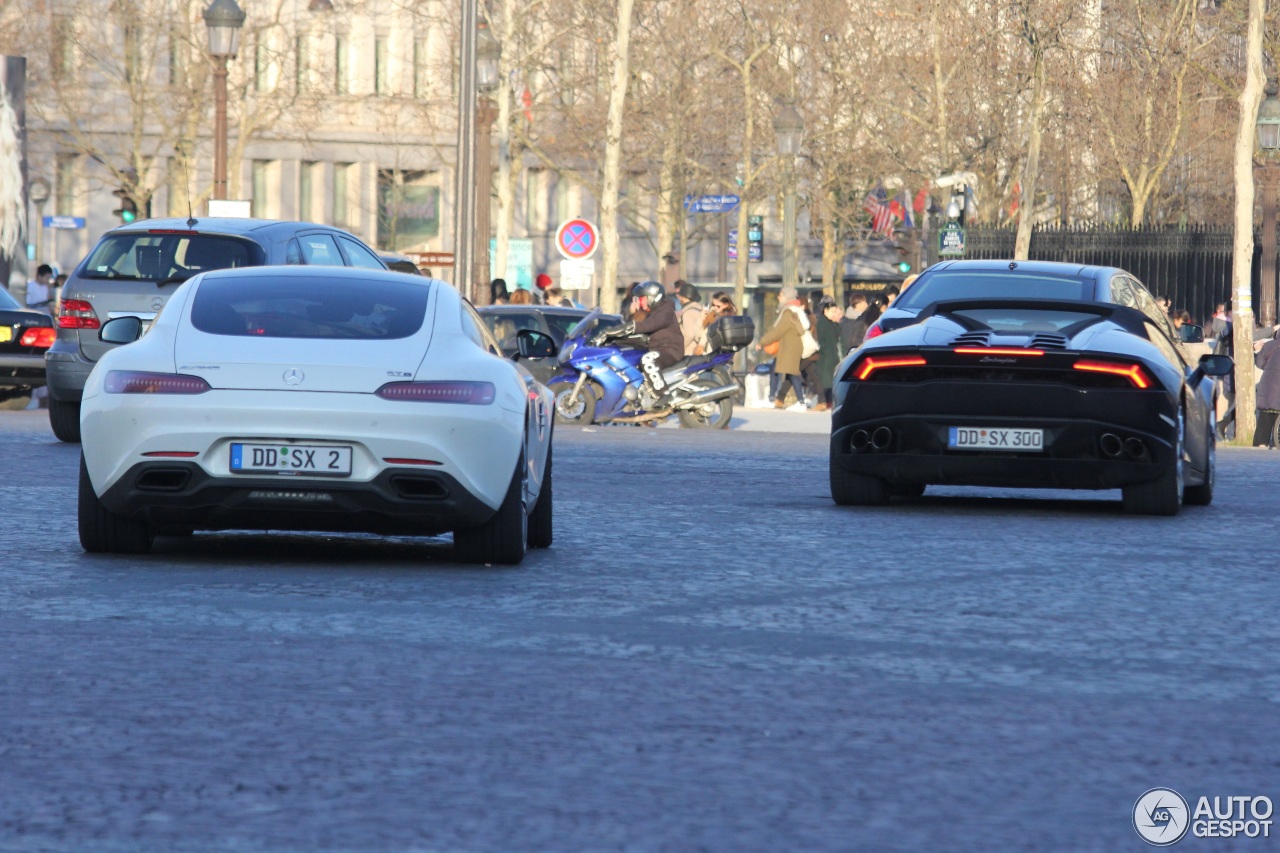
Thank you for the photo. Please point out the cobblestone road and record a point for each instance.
(713, 657)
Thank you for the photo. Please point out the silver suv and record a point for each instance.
(134, 268)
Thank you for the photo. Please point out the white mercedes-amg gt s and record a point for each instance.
(316, 398)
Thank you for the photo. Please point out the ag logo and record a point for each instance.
(1161, 817)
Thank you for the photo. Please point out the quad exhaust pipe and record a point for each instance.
(860, 439)
(877, 439)
(1112, 446)
(1135, 448)
(881, 437)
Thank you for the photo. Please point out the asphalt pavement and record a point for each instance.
(711, 657)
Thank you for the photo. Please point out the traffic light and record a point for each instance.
(904, 267)
(128, 209)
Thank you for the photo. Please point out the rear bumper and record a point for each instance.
(66, 372)
(25, 371)
(407, 501)
(919, 418)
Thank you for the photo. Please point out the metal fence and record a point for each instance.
(1191, 266)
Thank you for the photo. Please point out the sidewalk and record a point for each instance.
(771, 420)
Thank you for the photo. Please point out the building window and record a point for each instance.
(341, 175)
(303, 61)
(420, 54)
(133, 67)
(64, 54)
(341, 66)
(408, 209)
(261, 62)
(258, 204)
(380, 66)
(306, 191)
(64, 180)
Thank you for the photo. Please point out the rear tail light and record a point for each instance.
(77, 314)
(996, 351)
(871, 364)
(472, 393)
(1133, 372)
(136, 382)
(41, 338)
(874, 331)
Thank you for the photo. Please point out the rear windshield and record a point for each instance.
(310, 308)
(1023, 321)
(156, 257)
(7, 302)
(966, 284)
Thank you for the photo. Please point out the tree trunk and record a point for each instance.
(613, 160)
(741, 265)
(1031, 169)
(831, 256)
(1242, 263)
(507, 175)
(665, 214)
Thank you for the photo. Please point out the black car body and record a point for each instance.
(504, 321)
(134, 269)
(1026, 393)
(25, 336)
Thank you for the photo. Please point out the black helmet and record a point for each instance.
(650, 290)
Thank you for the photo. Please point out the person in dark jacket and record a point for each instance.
(1268, 361)
(829, 315)
(666, 341)
(849, 323)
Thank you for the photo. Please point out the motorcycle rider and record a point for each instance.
(666, 341)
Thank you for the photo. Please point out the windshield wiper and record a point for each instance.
(173, 279)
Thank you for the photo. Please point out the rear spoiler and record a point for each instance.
(1129, 319)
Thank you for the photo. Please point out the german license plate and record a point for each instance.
(312, 460)
(995, 438)
(6, 334)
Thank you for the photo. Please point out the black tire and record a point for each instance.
(714, 415)
(104, 532)
(584, 413)
(849, 489)
(540, 526)
(908, 490)
(1163, 495)
(1275, 434)
(500, 540)
(1202, 495)
(64, 417)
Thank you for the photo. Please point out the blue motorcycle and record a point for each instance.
(602, 381)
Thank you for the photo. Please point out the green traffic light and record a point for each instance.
(127, 216)
(904, 266)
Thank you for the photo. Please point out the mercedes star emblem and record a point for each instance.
(294, 376)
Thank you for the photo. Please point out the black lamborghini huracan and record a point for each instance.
(1025, 392)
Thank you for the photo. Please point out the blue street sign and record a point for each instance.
(711, 203)
(69, 223)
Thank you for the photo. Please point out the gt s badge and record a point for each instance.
(399, 374)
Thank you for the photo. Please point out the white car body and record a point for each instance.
(457, 458)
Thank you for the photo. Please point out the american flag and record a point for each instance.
(877, 204)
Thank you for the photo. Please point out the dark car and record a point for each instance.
(505, 320)
(399, 263)
(134, 268)
(25, 336)
(1027, 393)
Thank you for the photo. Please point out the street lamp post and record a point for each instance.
(488, 53)
(788, 127)
(223, 19)
(1268, 177)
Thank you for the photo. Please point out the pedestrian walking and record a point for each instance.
(692, 316)
(787, 333)
(721, 306)
(849, 328)
(41, 297)
(521, 297)
(1267, 360)
(829, 316)
(498, 292)
(875, 307)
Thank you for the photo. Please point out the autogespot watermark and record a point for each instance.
(1161, 817)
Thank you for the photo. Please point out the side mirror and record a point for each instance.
(531, 344)
(1191, 333)
(121, 330)
(1216, 365)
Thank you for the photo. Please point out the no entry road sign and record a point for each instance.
(576, 239)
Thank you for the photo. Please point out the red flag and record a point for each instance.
(526, 100)
(922, 201)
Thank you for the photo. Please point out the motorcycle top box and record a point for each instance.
(731, 333)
